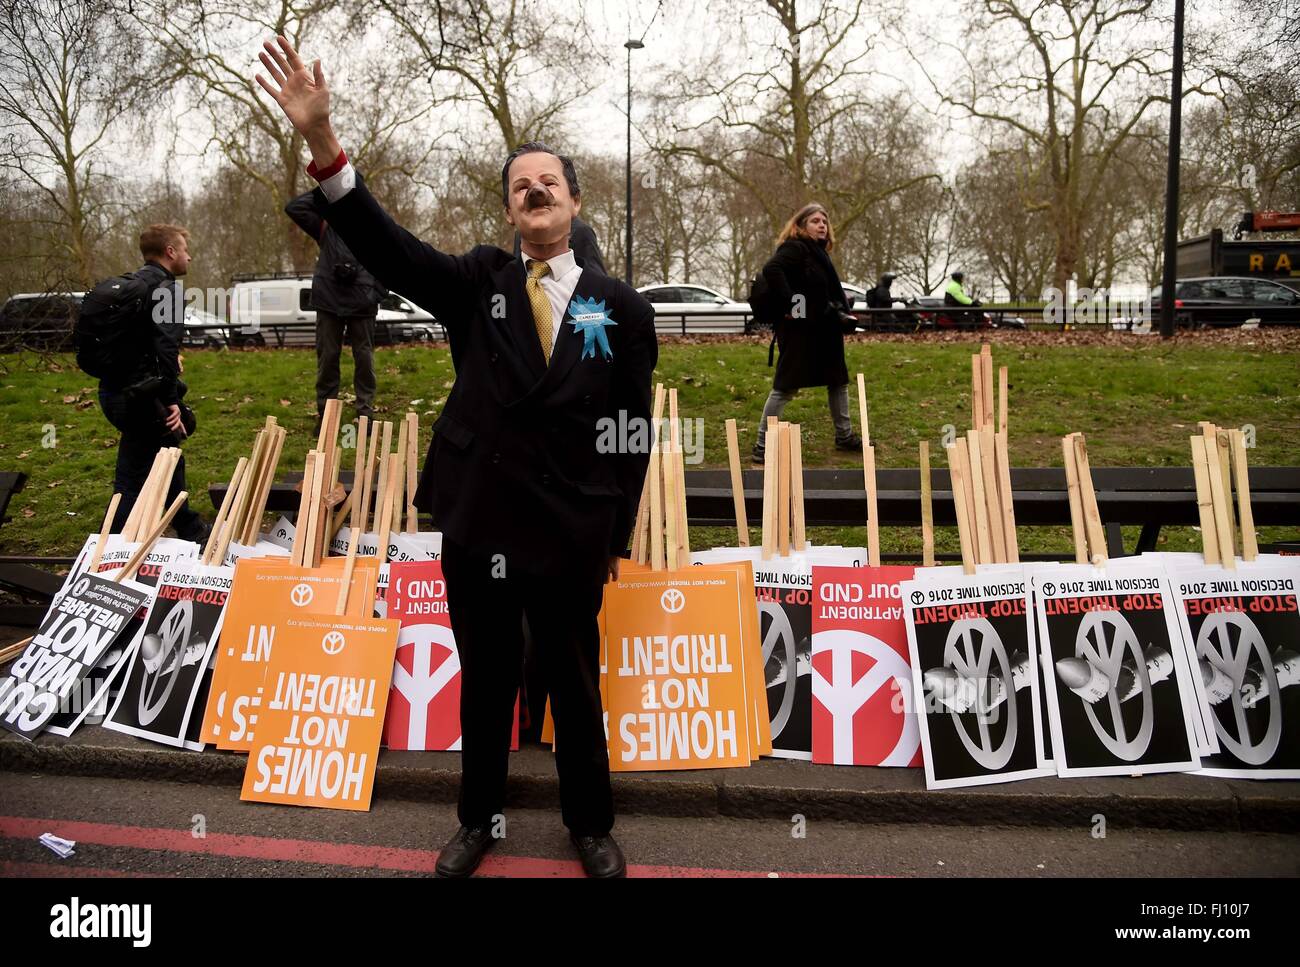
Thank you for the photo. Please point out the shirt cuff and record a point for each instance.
(337, 179)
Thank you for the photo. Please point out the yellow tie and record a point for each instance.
(541, 305)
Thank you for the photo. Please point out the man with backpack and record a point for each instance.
(129, 335)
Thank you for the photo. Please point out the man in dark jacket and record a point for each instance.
(583, 244)
(535, 512)
(346, 299)
(143, 400)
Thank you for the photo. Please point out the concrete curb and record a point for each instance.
(776, 789)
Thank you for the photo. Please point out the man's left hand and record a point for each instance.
(613, 568)
(173, 419)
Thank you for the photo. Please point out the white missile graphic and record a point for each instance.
(1254, 686)
(1091, 684)
(961, 694)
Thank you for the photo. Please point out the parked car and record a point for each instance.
(203, 329)
(1230, 301)
(41, 321)
(676, 304)
(422, 325)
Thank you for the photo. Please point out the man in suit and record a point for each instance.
(534, 513)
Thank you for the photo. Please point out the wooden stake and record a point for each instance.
(972, 460)
(1249, 543)
(1088, 498)
(1004, 488)
(672, 539)
(385, 446)
(927, 508)
(97, 554)
(873, 515)
(798, 538)
(960, 506)
(641, 536)
(783, 489)
(976, 391)
(862, 410)
(399, 468)
(263, 491)
(1002, 399)
(136, 559)
(354, 538)
(1223, 441)
(1205, 502)
(1222, 508)
(737, 485)
(368, 483)
(770, 469)
(223, 513)
(655, 536)
(383, 529)
(993, 500)
(986, 394)
(412, 455)
(679, 484)
(1076, 500)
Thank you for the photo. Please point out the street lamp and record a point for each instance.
(1168, 281)
(631, 45)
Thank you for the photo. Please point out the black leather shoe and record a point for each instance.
(600, 855)
(464, 852)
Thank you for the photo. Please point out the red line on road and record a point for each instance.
(322, 853)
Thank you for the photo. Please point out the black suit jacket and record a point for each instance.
(515, 467)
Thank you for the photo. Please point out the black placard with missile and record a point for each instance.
(973, 658)
(164, 681)
(1244, 627)
(1119, 688)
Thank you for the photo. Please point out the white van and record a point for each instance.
(272, 312)
(278, 312)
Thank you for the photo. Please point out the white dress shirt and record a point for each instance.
(558, 284)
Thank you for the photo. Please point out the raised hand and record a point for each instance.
(300, 91)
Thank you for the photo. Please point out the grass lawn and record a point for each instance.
(1137, 399)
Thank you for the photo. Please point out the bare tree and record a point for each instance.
(208, 46)
(1073, 80)
(788, 129)
(61, 91)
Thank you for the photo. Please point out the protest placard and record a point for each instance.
(163, 683)
(862, 712)
(972, 648)
(1119, 688)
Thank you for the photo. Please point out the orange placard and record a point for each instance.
(677, 678)
(267, 590)
(317, 735)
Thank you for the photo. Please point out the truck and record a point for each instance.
(1275, 259)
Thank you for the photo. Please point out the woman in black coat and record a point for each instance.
(802, 281)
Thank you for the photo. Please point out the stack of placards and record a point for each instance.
(684, 680)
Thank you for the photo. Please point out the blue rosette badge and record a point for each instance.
(590, 318)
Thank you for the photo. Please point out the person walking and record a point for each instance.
(139, 369)
(814, 314)
(346, 299)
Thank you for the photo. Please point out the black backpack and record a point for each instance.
(110, 319)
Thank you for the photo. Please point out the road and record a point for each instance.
(134, 828)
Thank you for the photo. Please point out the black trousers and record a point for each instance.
(143, 435)
(562, 610)
(360, 331)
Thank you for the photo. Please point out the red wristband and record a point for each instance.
(334, 168)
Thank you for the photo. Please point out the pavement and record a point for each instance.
(770, 789)
(131, 827)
